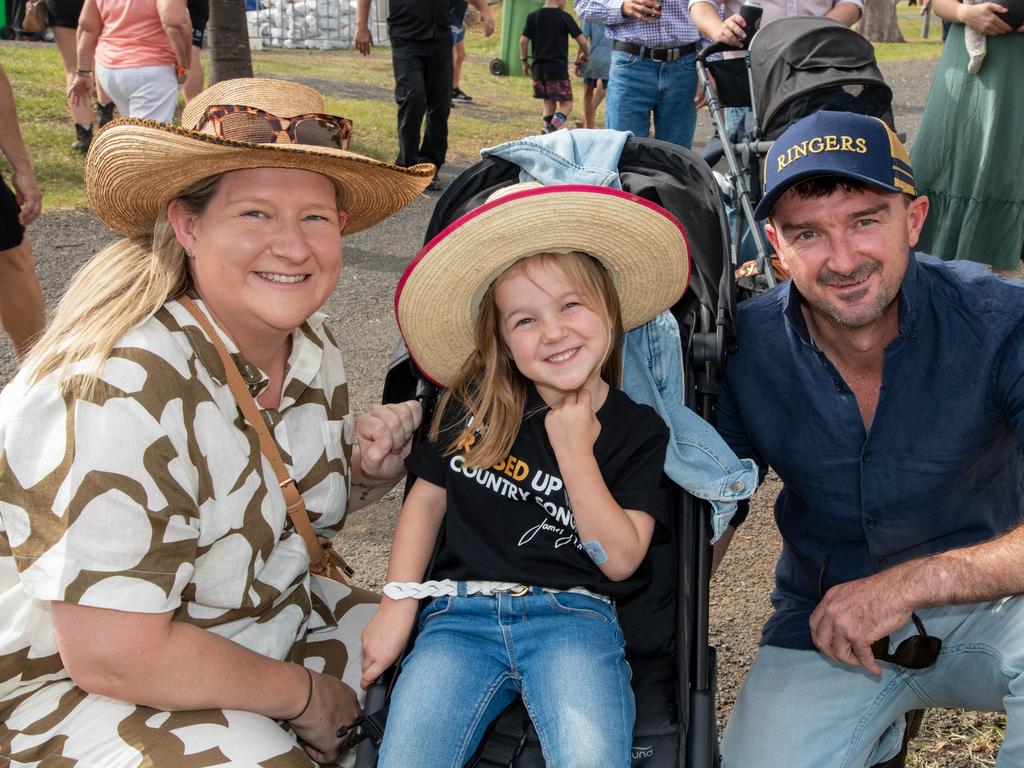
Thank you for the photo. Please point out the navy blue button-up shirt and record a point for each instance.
(943, 463)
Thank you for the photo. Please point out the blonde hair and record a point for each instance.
(119, 287)
(492, 389)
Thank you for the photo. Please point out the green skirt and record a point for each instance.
(968, 157)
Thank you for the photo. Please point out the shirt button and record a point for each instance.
(866, 457)
(737, 486)
(838, 386)
(870, 522)
(883, 561)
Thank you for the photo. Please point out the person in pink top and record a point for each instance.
(141, 51)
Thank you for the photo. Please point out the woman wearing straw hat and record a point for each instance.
(155, 553)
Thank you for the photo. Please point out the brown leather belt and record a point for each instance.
(655, 54)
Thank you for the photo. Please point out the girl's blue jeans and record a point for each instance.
(563, 651)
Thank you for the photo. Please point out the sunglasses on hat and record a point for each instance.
(919, 651)
(255, 126)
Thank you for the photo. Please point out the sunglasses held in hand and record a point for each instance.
(241, 123)
(919, 651)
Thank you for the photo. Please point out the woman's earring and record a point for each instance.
(189, 255)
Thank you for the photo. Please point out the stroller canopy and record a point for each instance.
(804, 64)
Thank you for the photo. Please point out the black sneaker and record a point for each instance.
(83, 140)
(435, 185)
(460, 95)
(104, 113)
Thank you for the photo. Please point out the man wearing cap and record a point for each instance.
(886, 389)
(653, 54)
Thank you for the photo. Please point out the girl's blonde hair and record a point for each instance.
(489, 385)
(119, 287)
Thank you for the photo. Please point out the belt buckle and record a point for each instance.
(519, 590)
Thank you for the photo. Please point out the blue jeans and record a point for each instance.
(564, 652)
(799, 709)
(638, 86)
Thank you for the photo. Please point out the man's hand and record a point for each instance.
(364, 40)
(572, 427)
(385, 438)
(645, 10)
(855, 614)
(488, 21)
(732, 32)
(26, 191)
(332, 705)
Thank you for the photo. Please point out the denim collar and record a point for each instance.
(909, 299)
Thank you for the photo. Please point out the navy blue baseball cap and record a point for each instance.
(835, 144)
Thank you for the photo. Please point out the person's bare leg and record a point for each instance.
(194, 84)
(599, 91)
(458, 56)
(64, 37)
(589, 105)
(565, 107)
(21, 297)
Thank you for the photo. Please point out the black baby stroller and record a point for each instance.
(793, 68)
(666, 626)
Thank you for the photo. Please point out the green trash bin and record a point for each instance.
(513, 19)
(6, 28)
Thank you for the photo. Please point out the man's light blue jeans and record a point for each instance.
(563, 651)
(638, 86)
(798, 709)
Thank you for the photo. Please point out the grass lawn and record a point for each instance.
(503, 107)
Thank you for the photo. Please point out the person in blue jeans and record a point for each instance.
(548, 479)
(886, 389)
(653, 66)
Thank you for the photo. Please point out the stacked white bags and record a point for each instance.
(321, 24)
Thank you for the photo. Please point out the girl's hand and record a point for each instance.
(385, 438)
(332, 705)
(572, 427)
(385, 637)
(983, 18)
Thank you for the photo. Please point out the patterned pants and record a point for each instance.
(58, 724)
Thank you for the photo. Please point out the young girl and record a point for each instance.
(548, 478)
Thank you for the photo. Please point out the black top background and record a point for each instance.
(489, 535)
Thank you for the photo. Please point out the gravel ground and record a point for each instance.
(361, 308)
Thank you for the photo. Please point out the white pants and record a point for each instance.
(142, 91)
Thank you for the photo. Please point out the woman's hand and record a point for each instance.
(984, 18)
(572, 427)
(332, 704)
(80, 90)
(385, 637)
(385, 435)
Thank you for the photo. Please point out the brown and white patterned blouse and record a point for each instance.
(152, 495)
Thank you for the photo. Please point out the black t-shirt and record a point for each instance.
(420, 19)
(513, 522)
(550, 29)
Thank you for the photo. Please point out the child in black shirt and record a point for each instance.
(549, 28)
(549, 480)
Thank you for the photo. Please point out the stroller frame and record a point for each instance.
(683, 565)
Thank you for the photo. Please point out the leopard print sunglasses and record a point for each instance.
(250, 124)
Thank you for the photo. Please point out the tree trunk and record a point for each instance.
(879, 23)
(229, 41)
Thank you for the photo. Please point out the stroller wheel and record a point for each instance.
(499, 67)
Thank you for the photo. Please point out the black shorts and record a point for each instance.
(11, 231)
(592, 82)
(64, 13)
(199, 14)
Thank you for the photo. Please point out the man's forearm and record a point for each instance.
(975, 574)
(847, 13)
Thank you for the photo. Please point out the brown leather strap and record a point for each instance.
(323, 560)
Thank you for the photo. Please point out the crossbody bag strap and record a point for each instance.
(320, 556)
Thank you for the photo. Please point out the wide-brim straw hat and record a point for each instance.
(136, 166)
(640, 243)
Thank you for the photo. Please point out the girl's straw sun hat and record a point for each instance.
(640, 243)
(136, 166)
